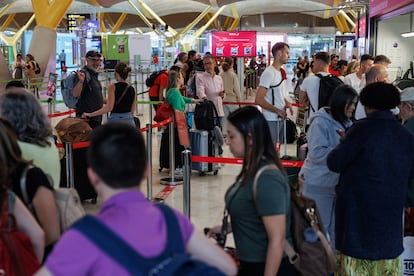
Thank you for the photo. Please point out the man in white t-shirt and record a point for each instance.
(357, 79)
(309, 89)
(377, 73)
(272, 93)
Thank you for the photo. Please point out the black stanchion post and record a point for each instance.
(149, 158)
(70, 178)
(186, 186)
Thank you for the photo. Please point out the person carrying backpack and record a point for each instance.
(319, 182)
(261, 224)
(121, 100)
(272, 94)
(128, 227)
(88, 88)
(156, 90)
(316, 90)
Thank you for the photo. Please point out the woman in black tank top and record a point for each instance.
(121, 101)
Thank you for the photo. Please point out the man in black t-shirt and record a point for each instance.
(88, 88)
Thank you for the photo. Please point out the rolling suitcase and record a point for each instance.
(82, 184)
(202, 144)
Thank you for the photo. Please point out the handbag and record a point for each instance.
(164, 111)
(17, 256)
(73, 130)
(67, 201)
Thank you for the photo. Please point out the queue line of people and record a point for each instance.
(249, 138)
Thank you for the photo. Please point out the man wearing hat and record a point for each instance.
(88, 88)
(407, 108)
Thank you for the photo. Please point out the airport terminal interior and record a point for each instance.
(149, 34)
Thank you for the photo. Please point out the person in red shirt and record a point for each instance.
(333, 65)
(156, 92)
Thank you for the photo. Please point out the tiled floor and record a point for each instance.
(207, 192)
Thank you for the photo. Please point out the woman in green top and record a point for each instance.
(260, 225)
(174, 97)
(177, 101)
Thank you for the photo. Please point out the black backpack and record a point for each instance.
(205, 115)
(172, 261)
(150, 81)
(291, 131)
(327, 85)
(37, 67)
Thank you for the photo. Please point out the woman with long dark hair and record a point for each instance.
(34, 190)
(326, 127)
(260, 223)
(8, 169)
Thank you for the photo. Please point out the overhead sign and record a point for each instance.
(234, 44)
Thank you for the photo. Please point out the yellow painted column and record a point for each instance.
(43, 45)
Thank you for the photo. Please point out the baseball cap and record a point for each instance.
(93, 53)
(407, 95)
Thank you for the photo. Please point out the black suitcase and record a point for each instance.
(82, 184)
(165, 150)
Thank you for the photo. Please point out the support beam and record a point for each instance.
(344, 24)
(338, 23)
(234, 10)
(346, 17)
(202, 29)
(195, 21)
(154, 15)
(5, 9)
(140, 14)
(12, 41)
(226, 23)
(111, 21)
(119, 22)
(234, 25)
(49, 13)
(7, 22)
(102, 22)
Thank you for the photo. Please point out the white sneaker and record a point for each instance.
(178, 172)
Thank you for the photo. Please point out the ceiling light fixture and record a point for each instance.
(410, 33)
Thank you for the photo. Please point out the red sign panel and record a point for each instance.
(234, 44)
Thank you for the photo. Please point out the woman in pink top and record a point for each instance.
(210, 86)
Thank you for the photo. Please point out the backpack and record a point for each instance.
(17, 255)
(67, 200)
(311, 253)
(67, 85)
(172, 261)
(192, 88)
(37, 67)
(327, 85)
(205, 115)
(291, 131)
(150, 81)
(284, 77)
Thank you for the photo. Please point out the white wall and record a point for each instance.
(400, 50)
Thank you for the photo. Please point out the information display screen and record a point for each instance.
(234, 44)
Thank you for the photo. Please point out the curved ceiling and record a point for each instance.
(182, 12)
(168, 7)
